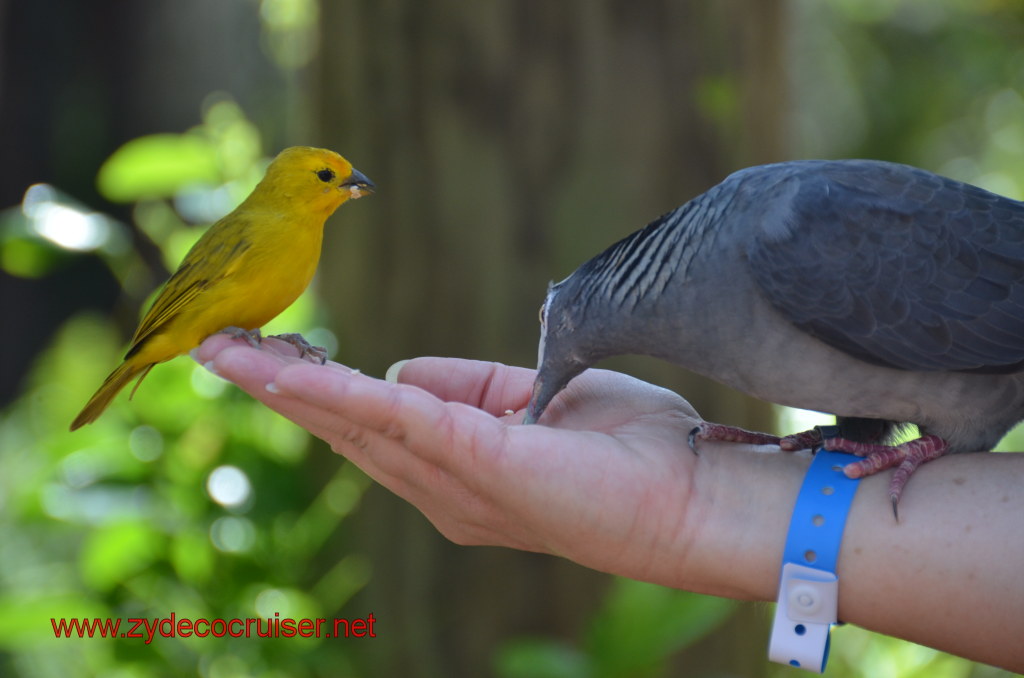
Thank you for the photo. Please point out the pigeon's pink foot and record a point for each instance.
(906, 457)
(807, 440)
(729, 434)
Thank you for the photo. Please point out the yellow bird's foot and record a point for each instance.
(252, 336)
(318, 353)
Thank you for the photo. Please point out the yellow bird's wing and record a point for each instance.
(213, 258)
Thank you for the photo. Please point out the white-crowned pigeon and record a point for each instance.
(878, 292)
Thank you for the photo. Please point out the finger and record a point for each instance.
(253, 370)
(398, 434)
(403, 413)
(290, 350)
(213, 345)
(490, 386)
(248, 367)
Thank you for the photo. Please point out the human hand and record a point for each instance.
(607, 481)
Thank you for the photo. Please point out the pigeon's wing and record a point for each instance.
(894, 265)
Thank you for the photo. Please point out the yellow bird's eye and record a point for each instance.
(540, 314)
(325, 175)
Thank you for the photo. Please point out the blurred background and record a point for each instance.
(510, 140)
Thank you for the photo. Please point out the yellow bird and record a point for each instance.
(246, 269)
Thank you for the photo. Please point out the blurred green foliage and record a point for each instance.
(49, 228)
(204, 509)
(933, 83)
(194, 499)
(633, 635)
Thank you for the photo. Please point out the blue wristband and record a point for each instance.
(808, 589)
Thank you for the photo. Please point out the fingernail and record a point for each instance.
(210, 368)
(392, 374)
(272, 387)
(194, 354)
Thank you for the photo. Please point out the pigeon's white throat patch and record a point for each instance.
(544, 324)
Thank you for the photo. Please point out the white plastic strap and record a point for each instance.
(808, 601)
(805, 611)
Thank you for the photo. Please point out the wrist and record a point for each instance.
(741, 507)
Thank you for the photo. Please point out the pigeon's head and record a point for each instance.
(563, 351)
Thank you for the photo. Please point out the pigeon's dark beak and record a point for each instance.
(549, 382)
(538, 401)
(358, 184)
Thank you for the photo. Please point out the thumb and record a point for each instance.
(489, 386)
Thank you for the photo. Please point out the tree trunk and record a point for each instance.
(510, 141)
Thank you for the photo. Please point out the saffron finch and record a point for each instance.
(246, 269)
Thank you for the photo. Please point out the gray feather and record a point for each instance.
(862, 288)
(897, 266)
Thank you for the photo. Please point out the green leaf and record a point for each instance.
(27, 258)
(192, 556)
(642, 624)
(115, 552)
(157, 166)
(25, 618)
(539, 658)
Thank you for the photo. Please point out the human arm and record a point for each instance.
(609, 482)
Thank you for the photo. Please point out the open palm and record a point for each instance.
(612, 455)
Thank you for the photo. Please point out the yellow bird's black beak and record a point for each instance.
(358, 184)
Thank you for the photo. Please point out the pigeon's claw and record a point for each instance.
(692, 438)
(906, 457)
(805, 440)
(729, 434)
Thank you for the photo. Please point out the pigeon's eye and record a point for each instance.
(325, 175)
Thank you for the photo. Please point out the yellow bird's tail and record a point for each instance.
(110, 387)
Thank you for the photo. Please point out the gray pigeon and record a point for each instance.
(878, 292)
